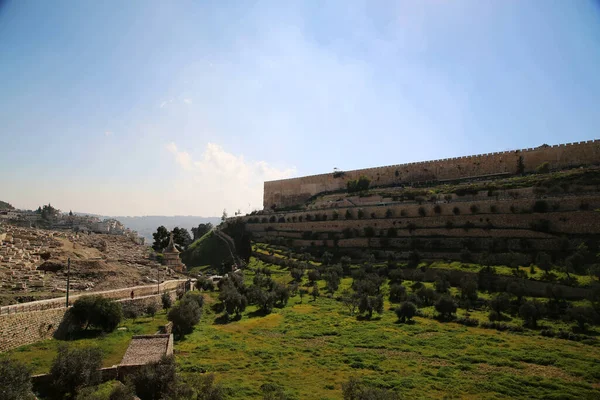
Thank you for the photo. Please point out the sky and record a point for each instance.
(187, 107)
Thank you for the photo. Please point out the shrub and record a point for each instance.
(474, 208)
(185, 315)
(397, 293)
(194, 296)
(456, 210)
(467, 321)
(348, 214)
(360, 213)
(543, 168)
(437, 209)
(445, 306)
(422, 211)
(406, 311)
(133, 309)
(353, 389)
(73, 369)
(313, 275)
(358, 185)
(531, 312)
(203, 283)
(154, 381)
(151, 309)
(493, 208)
(541, 225)
(389, 213)
(96, 311)
(166, 301)
(449, 225)
(15, 380)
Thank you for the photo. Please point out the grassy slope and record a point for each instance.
(113, 345)
(209, 249)
(311, 348)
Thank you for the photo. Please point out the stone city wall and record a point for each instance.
(290, 192)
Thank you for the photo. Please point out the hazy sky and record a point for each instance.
(177, 107)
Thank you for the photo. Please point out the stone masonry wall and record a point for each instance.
(289, 192)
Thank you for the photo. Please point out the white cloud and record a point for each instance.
(165, 103)
(108, 133)
(220, 180)
(187, 101)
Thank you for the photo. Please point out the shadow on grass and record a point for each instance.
(411, 322)
(366, 318)
(225, 319)
(258, 313)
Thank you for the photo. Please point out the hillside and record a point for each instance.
(33, 263)
(5, 206)
(208, 250)
(501, 221)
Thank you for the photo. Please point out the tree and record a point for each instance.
(185, 315)
(544, 261)
(154, 381)
(327, 258)
(406, 311)
(201, 230)
(445, 306)
(517, 289)
(500, 303)
(233, 301)
(166, 301)
(161, 239)
(315, 291)
(224, 216)
(98, 312)
(297, 274)
(531, 312)
(468, 290)
(441, 285)
(204, 283)
(313, 275)
(332, 281)
(15, 380)
(369, 304)
(70, 213)
(581, 315)
(74, 368)
(520, 166)
(397, 293)
(181, 237)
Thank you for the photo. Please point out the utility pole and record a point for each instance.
(68, 279)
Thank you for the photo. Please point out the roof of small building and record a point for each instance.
(144, 349)
(171, 247)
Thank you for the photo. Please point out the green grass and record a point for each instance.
(39, 355)
(311, 348)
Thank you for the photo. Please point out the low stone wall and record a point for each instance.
(116, 294)
(23, 328)
(29, 327)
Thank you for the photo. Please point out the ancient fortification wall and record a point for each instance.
(289, 192)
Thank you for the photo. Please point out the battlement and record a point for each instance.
(290, 192)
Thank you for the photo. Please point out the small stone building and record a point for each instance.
(171, 257)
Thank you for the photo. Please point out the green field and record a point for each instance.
(311, 347)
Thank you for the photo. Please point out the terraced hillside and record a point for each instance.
(505, 221)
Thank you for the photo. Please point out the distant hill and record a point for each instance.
(146, 226)
(6, 206)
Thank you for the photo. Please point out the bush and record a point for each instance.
(369, 231)
(406, 311)
(166, 301)
(155, 380)
(96, 311)
(15, 380)
(493, 208)
(73, 369)
(185, 315)
(474, 208)
(151, 309)
(445, 306)
(422, 211)
(456, 210)
(543, 168)
(358, 185)
(531, 312)
(437, 209)
(133, 309)
(467, 321)
(353, 389)
(204, 283)
(397, 293)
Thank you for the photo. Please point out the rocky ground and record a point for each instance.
(33, 263)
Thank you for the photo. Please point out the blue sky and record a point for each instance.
(185, 108)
